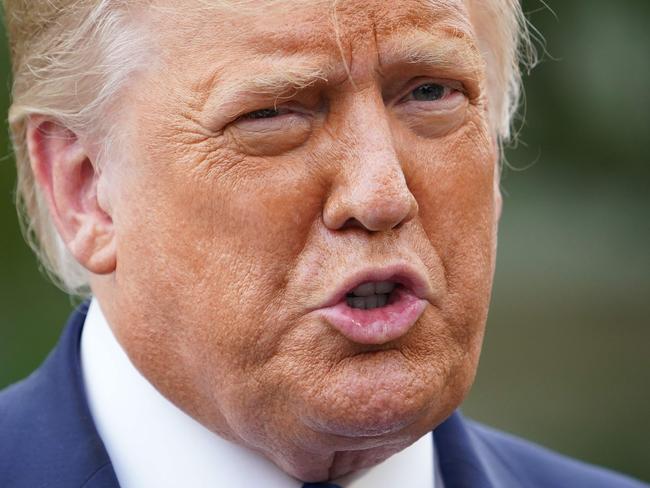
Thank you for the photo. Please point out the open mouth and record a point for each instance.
(371, 295)
(377, 307)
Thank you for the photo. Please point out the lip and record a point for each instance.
(383, 324)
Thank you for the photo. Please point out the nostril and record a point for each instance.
(352, 223)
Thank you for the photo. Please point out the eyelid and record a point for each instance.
(292, 119)
(286, 108)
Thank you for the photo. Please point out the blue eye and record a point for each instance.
(429, 92)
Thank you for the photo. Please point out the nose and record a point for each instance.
(370, 189)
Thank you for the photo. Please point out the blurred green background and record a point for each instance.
(566, 360)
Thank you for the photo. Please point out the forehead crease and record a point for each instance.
(388, 17)
(319, 29)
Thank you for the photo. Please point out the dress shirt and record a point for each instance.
(151, 442)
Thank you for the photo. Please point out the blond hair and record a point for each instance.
(71, 57)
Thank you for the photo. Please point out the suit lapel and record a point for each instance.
(83, 438)
(52, 435)
(461, 462)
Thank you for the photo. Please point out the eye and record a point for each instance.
(265, 113)
(434, 94)
(428, 92)
(270, 131)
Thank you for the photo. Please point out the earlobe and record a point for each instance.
(67, 178)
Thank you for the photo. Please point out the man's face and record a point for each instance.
(279, 157)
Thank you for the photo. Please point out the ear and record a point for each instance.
(68, 180)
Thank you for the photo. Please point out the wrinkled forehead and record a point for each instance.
(316, 26)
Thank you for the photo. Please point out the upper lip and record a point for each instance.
(403, 274)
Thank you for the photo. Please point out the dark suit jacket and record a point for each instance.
(48, 439)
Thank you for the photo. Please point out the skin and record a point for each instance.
(214, 239)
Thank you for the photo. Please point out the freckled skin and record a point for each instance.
(229, 233)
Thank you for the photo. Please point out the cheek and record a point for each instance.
(203, 264)
(454, 184)
(214, 250)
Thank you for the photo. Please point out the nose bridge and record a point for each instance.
(368, 123)
(371, 189)
(376, 175)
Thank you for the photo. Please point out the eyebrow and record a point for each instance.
(453, 51)
(286, 74)
(277, 75)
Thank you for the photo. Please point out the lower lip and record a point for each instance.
(377, 325)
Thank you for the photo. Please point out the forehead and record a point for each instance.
(304, 26)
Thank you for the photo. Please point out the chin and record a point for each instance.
(374, 394)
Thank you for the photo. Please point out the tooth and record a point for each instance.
(359, 302)
(384, 287)
(382, 300)
(364, 290)
(371, 302)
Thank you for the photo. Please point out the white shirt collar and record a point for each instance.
(153, 443)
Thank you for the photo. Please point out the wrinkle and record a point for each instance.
(337, 37)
